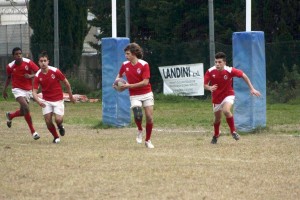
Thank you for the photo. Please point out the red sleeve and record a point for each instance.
(8, 70)
(121, 72)
(146, 74)
(36, 83)
(206, 77)
(33, 66)
(237, 72)
(60, 75)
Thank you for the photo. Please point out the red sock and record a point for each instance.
(139, 125)
(230, 122)
(217, 129)
(14, 114)
(53, 131)
(29, 122)
(148, 131)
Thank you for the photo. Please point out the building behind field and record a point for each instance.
(15, 32)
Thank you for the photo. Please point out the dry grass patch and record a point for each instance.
(108, 164)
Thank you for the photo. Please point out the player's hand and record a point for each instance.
(42, 105)
(213, 87)
(72, 99)
(255, 92)
(27, 76)
(4, 94)
(125, 86)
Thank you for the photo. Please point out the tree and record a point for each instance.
(176, 32)
(280, 22)
(72, 30)
(163, 28)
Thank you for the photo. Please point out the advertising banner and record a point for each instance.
(183, 80)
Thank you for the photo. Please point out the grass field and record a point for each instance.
(96, 162)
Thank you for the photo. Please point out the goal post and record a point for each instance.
(249, 56)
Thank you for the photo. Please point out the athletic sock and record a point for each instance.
(139, 125)
(12, 115)
(217, 129)
(230, 122)
(148, 131)
(53, 131)
(29, 122)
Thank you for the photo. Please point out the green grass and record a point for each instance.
(179, 112)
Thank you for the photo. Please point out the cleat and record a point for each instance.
(149, 145)
(235, 136)
(139, 137)
(56, 140)
(8, 122)
(61, 130)
(35, 136)
(214, 140)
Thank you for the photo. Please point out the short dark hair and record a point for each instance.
(220, 55)
(16, 49)
(44, 54)
(135, 49)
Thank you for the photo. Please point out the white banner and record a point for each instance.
(184, 80)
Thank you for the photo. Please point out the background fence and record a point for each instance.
(282, 61)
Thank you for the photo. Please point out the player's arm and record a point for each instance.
(69, 90)
(34, 69)
(36, 98)
(253, 91)
(29, 76)
(7, 82)
(142, 83)
(210, 87)
(207, 85)
(35, 91)
(119, 75)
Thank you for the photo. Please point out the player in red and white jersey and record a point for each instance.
(20, 72)
(219, 79)
(137, 72)
(52, 102)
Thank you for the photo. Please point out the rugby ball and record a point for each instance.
(118, 83)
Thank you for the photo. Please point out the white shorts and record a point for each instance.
(229, 99)
(57, 107)
(17, 92)
(143, 100)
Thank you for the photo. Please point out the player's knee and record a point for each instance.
(227, 113)
(24, 109)
(58, 121)
(138, 113)
(49, 124)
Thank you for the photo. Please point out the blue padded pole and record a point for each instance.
(115, 105)
(249, 56)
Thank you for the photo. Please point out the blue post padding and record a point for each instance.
(115, 105)
(249, 56)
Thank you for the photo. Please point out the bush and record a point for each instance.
(95, 94)
(79, 87)
(288, 89)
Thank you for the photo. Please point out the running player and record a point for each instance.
(218, 80)
(20, 72)
(52, 102)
